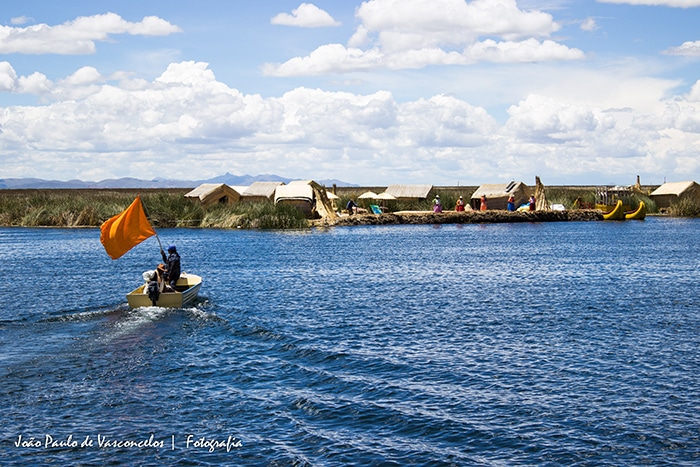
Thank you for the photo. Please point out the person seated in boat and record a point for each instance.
(511, 203)
(155, 283)
(172, 266)
(460, 204)
(160, 276)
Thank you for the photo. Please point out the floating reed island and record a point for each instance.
(317, 206)
(461, 217)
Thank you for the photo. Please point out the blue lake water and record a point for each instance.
(544, 344)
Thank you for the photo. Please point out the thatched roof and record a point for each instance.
(209, 193)
(368, 195)
(409, 191)
(262, 189)
(240, 188)
(294, 191)
(203, 190)
(501, 190)
(674, 188)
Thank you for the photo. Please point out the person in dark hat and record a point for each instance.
(172, 266)
(351, 206)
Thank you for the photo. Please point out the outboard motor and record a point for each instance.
(153, 292)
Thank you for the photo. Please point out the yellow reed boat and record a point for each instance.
(617, 213)
(638, 214)
(616, 204)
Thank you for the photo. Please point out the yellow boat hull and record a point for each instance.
(188, 288)
(639, 214)
(617, 214)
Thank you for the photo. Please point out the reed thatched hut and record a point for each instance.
(497, 195)
(670, 192)
(307, 196)
(299, 195)
(211, 193)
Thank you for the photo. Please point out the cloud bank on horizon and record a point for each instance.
(375, 92)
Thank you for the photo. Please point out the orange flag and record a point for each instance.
(126, 230)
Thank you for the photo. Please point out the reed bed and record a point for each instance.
(684, 207)
(90, 208)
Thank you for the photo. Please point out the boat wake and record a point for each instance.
(106, 329)
(152, 322)
(84, 316)
(133, 322)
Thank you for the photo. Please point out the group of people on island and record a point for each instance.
(352, 208)
(483, 204)
(165, 276)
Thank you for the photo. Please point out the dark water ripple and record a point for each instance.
(538, 344)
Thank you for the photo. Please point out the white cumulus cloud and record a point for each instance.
(306, 15)
(421, 23)
(530, 50)
(542, 118)
(397, 34)
(84, 76)
(93, 127)
(21, 20)
(8, 77)
(689, 48)
(36, 83)
(589, 24)
(694, 95)
(78, 36)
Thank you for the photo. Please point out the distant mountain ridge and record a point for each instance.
(128, 182)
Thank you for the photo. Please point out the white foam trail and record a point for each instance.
(133, 321)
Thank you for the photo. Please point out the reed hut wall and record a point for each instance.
(670, 192)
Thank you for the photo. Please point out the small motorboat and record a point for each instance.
(186, 291)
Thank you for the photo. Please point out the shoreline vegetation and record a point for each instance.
(169, 208)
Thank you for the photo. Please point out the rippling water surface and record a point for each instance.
(554, 344)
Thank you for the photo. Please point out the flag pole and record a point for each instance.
(143, 205)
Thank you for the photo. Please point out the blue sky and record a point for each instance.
(376, 92)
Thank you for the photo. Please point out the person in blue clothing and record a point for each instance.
(511, 203)
(172, 266)
(351, 207)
